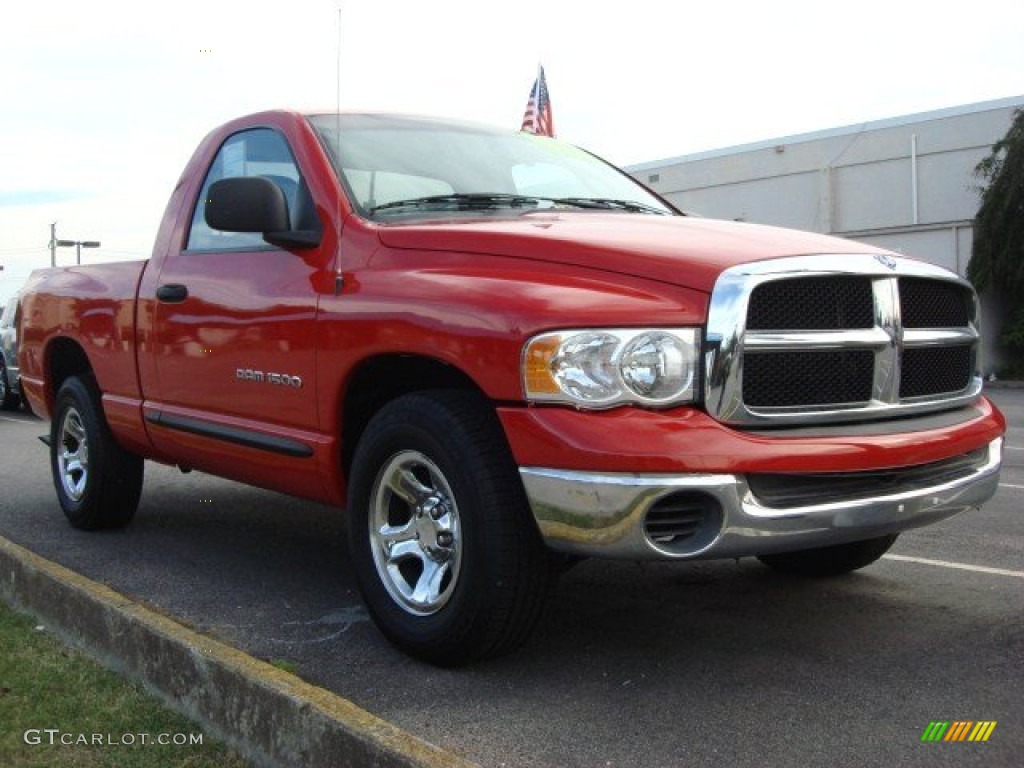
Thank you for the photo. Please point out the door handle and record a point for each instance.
(172, 292)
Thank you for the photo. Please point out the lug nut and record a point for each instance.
(445, 539)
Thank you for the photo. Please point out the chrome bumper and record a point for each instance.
(610, 515)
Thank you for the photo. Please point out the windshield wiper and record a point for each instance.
(611, 204)
(491, 200)
(462, 200)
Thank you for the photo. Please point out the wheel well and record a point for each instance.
(64, 358)
(379, 381)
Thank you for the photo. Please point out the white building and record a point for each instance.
(906, 183)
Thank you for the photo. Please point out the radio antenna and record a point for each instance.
(339, 278)
(337, 73)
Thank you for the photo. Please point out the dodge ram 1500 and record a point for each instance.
(498, 353)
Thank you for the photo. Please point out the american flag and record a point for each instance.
(538, 118)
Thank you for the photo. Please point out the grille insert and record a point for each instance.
(807, 378)
(935, 371)
(933, 304)
(819, 303)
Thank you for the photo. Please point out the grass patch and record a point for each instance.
(284, 664)
(46, 685)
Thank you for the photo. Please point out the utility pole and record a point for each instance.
(53, 244)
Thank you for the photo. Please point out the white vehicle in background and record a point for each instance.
(10, 376)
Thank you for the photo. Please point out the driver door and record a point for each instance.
(234, 336)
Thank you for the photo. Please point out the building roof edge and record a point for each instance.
(828, 133)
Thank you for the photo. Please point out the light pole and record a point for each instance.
(78, 245)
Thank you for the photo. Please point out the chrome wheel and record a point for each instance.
(451, 567)
(415, 534)
(97, 482)
(73, 455)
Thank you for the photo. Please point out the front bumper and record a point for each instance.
(706, 516)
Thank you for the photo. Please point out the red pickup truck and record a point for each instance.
(499, 354)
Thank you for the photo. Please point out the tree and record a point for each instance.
(997, 264)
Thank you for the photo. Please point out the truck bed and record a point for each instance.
(94, 304)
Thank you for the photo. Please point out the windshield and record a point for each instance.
(405, 166)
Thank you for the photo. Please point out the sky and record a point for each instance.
(104, 102)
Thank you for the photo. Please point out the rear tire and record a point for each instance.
(98, 483)
(830, 561)
(449, 561)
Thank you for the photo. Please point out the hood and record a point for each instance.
(682, 250)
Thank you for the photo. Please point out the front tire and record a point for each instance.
(830, 561)
(98, 483)
(449, 562)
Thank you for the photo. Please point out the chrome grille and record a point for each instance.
(839, 338)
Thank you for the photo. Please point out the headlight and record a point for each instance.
(601, 368)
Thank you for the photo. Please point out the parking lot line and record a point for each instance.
(959, 566)
(1007, 485)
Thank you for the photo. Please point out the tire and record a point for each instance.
(449, 562)
(9, 400)
(98, 483)
(830, 561)
(27, 406)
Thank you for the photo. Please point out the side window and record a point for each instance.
(259, 152)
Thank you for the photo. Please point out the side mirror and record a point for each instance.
(246, 204)
(255, 204)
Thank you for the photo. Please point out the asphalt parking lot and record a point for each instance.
(703, 664)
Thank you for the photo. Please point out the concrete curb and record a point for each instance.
(268, 715)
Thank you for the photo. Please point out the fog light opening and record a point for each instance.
(683, 522)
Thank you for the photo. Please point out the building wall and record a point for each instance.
(905, 183)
